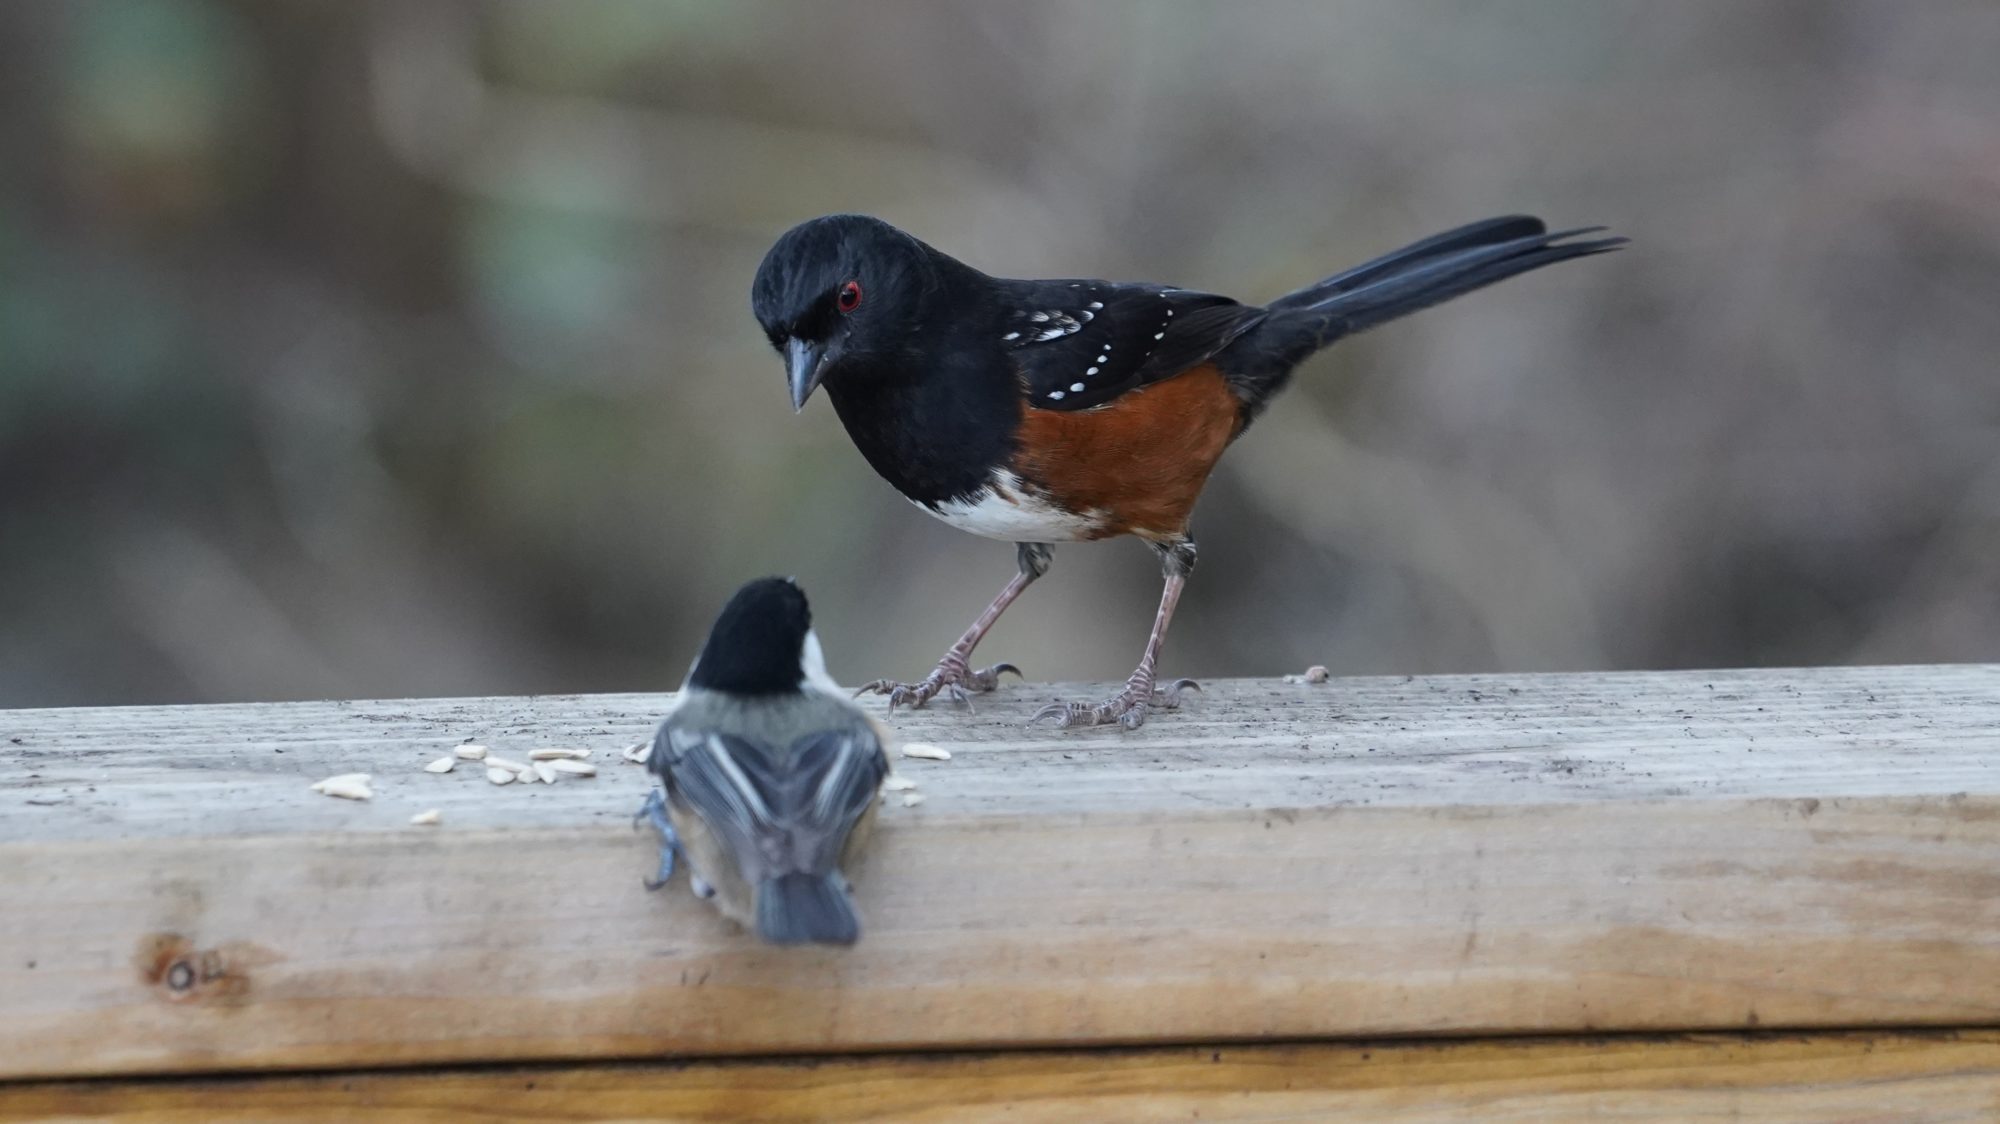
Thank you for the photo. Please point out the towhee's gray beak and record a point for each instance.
(805, 362)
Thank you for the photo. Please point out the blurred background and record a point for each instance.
(404, 349)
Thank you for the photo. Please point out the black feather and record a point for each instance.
(1472, 235)
(1437, 279)
(1411, 279)
(1114, 338)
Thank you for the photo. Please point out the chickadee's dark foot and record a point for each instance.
(1127, 708)
(655, 810)
(951, 675)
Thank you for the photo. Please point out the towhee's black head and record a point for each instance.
(761, 644)
(839, 295)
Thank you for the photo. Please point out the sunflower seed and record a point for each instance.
(546, 771)
(469, 752)
(441, 765)
(500, 776)
(897, 782)
(926, 751)
(427, 819)
(573, 768)
(346, 786)
(557, 754)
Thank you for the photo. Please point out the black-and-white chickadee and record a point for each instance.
(770, 773)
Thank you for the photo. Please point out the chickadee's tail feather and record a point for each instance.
(801, 908)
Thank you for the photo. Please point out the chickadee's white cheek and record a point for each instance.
(812, 667)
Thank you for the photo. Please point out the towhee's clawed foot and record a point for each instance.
(1127, 708)
(954, 672)
(951, 675)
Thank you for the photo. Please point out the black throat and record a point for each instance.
(936, 434)
(936, 417)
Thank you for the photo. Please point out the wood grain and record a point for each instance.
(1361, 858)
(1253, 744)
(1901, 1077)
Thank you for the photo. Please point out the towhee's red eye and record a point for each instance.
(850, 296)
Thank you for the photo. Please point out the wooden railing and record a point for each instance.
(1802, 866)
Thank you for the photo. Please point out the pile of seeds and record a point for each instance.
(549, 765)
(544, 766)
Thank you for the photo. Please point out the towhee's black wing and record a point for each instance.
(1078, 344)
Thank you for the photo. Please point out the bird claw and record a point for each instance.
(655, 810)
(951, 674)
(988, 678)
(1169, 696)
(1127, 708)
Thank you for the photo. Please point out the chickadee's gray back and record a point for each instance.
(780, 783)
(767, 719)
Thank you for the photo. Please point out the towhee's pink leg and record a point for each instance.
(954, 673)
(1128, 707)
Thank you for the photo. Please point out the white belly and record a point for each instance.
(1005, 510)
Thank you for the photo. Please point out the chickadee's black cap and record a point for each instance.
(757, 644)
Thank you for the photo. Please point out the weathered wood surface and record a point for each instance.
(1823, 1079)
(1363, 857)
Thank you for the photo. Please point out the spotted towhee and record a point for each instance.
(1056, 411)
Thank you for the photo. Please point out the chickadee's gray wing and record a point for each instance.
(776, 813)
(729, 781)
(835, 775)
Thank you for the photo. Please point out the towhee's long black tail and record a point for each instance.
(1409, 280)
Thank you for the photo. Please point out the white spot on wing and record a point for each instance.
(1160, 335)
(1095, 305)
(1055, 394)
(1040, 317)
(1077, 386)
(1093, 370)
(1011, 336)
